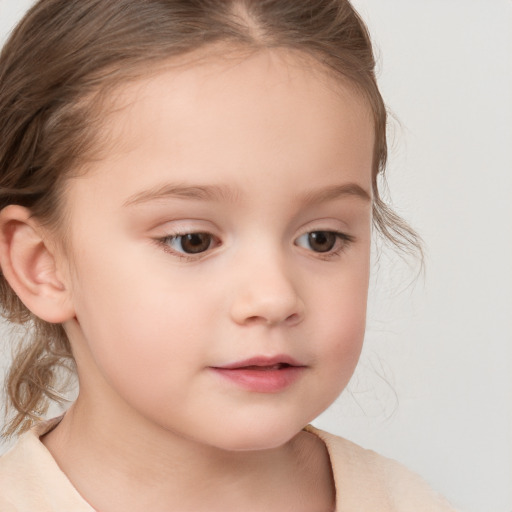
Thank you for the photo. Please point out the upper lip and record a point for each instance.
(262, 361)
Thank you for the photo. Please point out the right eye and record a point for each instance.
(189, 243)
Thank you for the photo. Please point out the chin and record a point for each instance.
(258, 436)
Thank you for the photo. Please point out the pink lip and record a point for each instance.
(262, 374)
(263, 361)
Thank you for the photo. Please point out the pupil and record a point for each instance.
(322, 241)
(194, 243)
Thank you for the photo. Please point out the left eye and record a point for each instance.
(321, 241)
(190, 243)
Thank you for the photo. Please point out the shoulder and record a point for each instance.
(31, 480)
(18, 476)
(367, 481)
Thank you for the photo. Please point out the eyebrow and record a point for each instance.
(198, 192)
(335, 192)
(228, 194)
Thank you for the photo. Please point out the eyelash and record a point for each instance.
(166, 240)
(342, 239)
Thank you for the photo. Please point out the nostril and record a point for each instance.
(255, 320)
(293, 318)
(268, 320)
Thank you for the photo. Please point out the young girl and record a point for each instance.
(188, 193)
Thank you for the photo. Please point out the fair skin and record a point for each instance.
(269, 161)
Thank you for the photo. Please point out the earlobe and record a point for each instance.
(30, 266)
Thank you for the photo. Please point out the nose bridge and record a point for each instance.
(266, 291)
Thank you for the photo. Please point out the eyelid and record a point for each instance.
(163, 242)
(342, 243)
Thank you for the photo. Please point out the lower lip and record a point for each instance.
(262, 381)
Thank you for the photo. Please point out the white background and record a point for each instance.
(434, 386)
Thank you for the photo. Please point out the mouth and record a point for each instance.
(278, 366)
(277, 362)
(262, 374)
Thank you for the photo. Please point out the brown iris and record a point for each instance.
(194, 243)
(322, 241)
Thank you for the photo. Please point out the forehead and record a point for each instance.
(260, 112)
(213, 86)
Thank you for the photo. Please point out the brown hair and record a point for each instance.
(65, 52)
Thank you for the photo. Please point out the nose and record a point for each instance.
(266, 295)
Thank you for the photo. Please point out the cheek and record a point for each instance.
(339, 347)
(140, 326)
(344, 338)
(146, 352)
(341, 322)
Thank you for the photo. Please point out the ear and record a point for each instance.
(31, 267)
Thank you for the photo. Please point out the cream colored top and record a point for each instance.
(31, 480)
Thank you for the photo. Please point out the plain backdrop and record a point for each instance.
(434, 385)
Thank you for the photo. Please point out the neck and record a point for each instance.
(131, 464)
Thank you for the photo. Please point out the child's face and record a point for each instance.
(262, 160)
